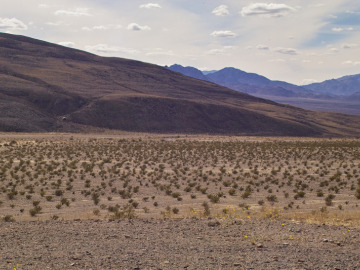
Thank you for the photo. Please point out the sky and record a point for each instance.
(298, 41)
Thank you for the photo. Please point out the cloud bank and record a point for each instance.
(150, 6)
(268, 10)
(222, 10)
(7, 24)
(76, 12)
(102, 27)
(290, 51)
(223, 33)
(137, 27)
(67, 44)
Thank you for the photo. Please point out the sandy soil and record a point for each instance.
(177, 244)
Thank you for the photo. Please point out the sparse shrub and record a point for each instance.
(299, 194)
(329, 199)
(323, 209)
(135, 204)
(34, 211)
(357, 193)
(9, 218)
(36, 203)
(96, 212)
(246, 194)
(187, 189)
(127, 212)
(272, 198)
(59, 192)
(244, 206)
(206, 209)
(96, 198)
(214, 198)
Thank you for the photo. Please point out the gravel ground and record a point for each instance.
(177, 244)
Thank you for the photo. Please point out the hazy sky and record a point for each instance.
(298, 41)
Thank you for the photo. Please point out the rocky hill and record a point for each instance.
(47, 87)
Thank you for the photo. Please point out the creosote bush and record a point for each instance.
(60, 173)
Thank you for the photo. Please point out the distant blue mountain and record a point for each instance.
(239, 80)
(206, 72)
(188, 71)
(341, 95)
(343, 86)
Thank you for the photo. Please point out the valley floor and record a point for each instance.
(141, 201)
(177, 244)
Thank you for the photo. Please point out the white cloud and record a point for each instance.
(350, 62)
(270, 10)
(150, 5)
(290, 51)
(352, 12)
(333, 50)
(105, 49)
(137, 27)
(340, 29)
(308, 81)
(76, 12)
(102, 27)
(102, 48)
(67, 44)
(349, 45)
(262, 47)
(216, 52)
(223, 33)
(220, 51)
(58, 23)
(222, 10)
(7, 24)
(43, 6)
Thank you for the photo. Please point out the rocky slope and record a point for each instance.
(47, 87)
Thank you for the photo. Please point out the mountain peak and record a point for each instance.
(188, 71)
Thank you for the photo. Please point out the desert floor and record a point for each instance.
(139, 201)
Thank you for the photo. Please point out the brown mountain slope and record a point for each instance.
(40, 83)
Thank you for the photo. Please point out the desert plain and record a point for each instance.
(144, 201)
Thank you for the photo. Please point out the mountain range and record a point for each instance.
(344, 86)
(47, 87)
(340, 95)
